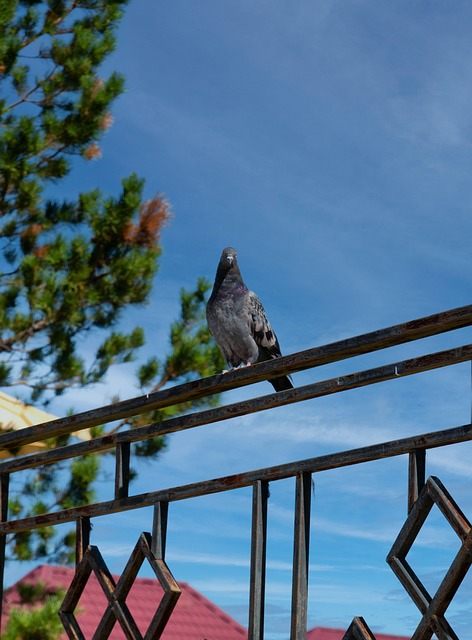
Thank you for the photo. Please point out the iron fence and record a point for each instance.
(422, 493)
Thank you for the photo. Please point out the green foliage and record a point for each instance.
(71, 267)
(31, 592)
(192, 354)
(34, 621)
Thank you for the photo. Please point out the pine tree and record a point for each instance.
(36, 617)
(72, 266)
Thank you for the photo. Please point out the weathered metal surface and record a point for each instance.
(433, 620)
(315, 357)
(122, 459)
(416, 475)
(116, 593)
(82, 538)
(301, 549)
(172, 591)
(92, 560)
(189, 421)
(159, 530)
(358, 630)
(312, 465)
(421, 495)
(257, 582)
(447, 505)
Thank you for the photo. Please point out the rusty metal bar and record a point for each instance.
(172, 590)
(280, 472)
(122, 470)
(82, 538)
(416, 475)
(172, 593)
(301, 548)
(318, 389)
(415, 447)
(315, 357)
(66, 612)
(4, 485)
(260, 496)
(416, 590)
(411, 528)
(449, 508)
(442, 629)
(358, 630)
(433, 618)
(159, 529)
(117, 608)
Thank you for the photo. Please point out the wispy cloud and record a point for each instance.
(437, 111)
(210, 559)
(452, 460)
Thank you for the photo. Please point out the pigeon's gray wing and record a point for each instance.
(266, 340)
(262, 332)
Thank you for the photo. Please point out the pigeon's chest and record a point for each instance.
(231, 313)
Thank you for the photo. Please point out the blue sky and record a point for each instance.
(330, 142)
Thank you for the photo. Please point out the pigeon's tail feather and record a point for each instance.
(282, 383)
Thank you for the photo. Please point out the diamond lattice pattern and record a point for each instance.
(433, 608)
(116, 593)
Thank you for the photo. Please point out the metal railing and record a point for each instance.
(152, 547)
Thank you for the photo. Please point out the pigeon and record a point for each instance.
(237, 320)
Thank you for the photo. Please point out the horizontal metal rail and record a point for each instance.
(414, 446)
(282, 398)
(350, 457)
(366, 343)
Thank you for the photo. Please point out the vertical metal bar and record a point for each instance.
(82, 537)
(159, 530)
(416, 475)
(4, 485)
(260, 498)
(301, 550)
(122, 470)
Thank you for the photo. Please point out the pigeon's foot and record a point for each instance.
(240, 366)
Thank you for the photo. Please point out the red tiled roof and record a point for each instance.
(322, 633)
(194, 617)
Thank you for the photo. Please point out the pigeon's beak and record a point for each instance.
(230, 259)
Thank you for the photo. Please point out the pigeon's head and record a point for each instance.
(228, 258)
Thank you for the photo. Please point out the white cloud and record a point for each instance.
(455, 460)
(438, 112)
(212, 560)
